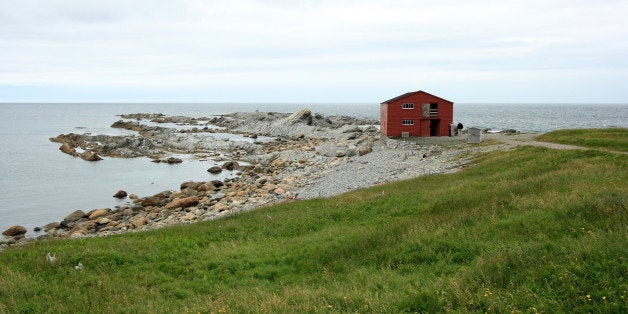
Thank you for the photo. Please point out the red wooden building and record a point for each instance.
(416, 114)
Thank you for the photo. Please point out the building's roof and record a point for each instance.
(412, 93)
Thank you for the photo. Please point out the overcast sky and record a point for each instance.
(313, 51)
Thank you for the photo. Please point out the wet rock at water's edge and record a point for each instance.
(14, 231)
(215, 170)
(120, 194)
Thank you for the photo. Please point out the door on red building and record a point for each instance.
(434, 127)
(425, 128)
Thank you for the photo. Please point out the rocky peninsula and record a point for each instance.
(276, 157)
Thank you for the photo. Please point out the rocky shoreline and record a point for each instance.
(277, 157)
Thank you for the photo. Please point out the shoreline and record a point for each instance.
(339, 154)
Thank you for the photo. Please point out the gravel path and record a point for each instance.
(391, 161)
(394, 160)
(527, 140)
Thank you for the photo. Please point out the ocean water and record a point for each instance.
(39, 184)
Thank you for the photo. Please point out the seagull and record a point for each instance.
(79, 266)
(51, 258)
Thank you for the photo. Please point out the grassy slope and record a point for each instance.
(615, 139)
(532, 229)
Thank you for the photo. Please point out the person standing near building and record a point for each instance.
(459, 128)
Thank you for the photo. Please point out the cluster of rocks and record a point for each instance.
(195, 201)
(338, 154)
(273, 176)
(156, 141)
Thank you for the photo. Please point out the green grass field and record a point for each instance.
(615, 139)
(527, 230)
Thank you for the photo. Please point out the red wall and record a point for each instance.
(391, 115)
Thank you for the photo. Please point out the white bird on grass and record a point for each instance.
(79, 266)
(51, 258)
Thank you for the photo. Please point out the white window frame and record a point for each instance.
(407, 122)
(407, 105)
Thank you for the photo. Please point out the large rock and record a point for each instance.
(98, 213)
(120, 194)
(14, 231)
(75, 216)
(215, 170)
(151, 201)
(183, 202)
(191, 185)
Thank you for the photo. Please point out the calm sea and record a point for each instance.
(39, 184)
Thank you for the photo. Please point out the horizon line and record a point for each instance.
(290, 103)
